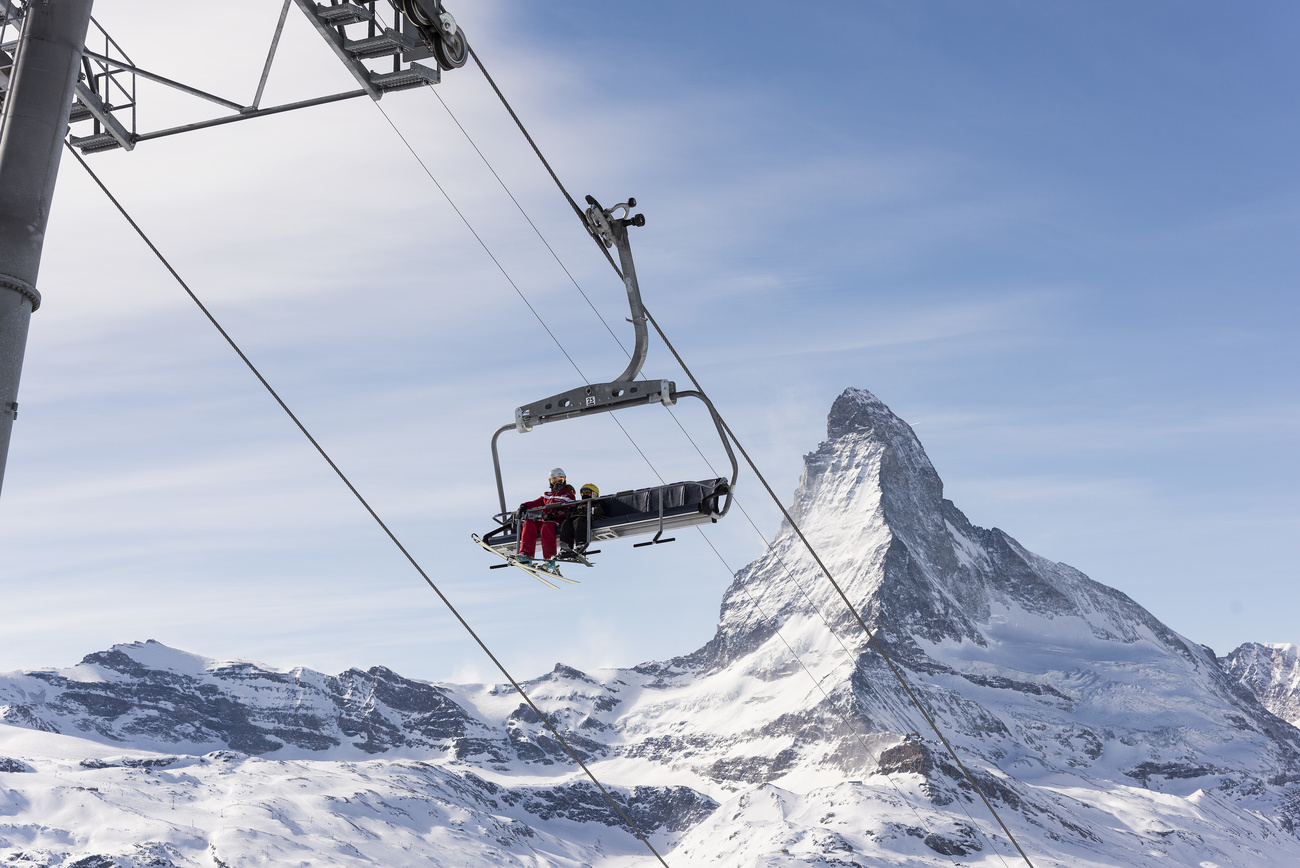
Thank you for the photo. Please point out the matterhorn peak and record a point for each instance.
(870, 483)
(872, 506)
(859, 411)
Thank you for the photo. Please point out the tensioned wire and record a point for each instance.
(394, 539)
(632, 440)
(871, 635)
(392, 536)
(503, 271)
(343, 477)
(540, 236)
(884, 698)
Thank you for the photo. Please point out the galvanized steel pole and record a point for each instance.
(35, 121)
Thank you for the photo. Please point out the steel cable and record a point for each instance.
(610, 330)
(871, 635)
(538, 151)
(393, 537)
(635, 445)
(758, 609)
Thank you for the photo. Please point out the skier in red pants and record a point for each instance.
(559, 492)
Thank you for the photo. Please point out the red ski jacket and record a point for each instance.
(563, 494)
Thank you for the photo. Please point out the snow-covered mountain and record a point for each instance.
(1101, 736)
(1271, 672)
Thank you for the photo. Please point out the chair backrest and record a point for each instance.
(623, 503)
(676, 495)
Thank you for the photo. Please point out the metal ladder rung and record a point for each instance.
(414, 76)
(79, 113)
(91, 144)
(386, 43)
(343, 14)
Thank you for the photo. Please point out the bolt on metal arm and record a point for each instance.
(611, 231)
(608, 227)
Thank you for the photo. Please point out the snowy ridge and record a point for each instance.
(1272, 673)
(1102, 737)
(154, 697)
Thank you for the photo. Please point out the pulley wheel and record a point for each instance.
(451, 51)
(413, 11)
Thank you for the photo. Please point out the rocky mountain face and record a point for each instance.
(147, 695)
(1272, 673)
(1100, 736)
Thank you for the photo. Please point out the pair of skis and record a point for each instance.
(534, 569)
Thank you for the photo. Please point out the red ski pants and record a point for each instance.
(528, 538)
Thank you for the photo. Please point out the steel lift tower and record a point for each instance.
(42, 78)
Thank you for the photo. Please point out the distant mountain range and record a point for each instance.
(1101, 737)
(1272, 673)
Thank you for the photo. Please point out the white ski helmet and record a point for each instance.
(558, 473)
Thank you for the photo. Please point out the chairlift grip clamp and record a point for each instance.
(601, 221)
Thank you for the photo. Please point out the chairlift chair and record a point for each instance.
(654, 510)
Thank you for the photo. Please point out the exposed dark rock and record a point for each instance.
(96, 861)
(12, 766)
(950, 846)
(130, 762)
(1000, 683)
(1174, 771)
(650, 808)
(752, 769)
(21, 714)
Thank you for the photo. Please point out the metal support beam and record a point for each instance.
(595, 398)
(35, 121)
(270, 55)
(359, 72)
(609, 227)
(163, 80)
(642, 345)
(252, 113)
(100, 112)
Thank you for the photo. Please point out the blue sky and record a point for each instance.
(1056, 238)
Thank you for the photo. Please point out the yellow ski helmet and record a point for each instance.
(590, 486)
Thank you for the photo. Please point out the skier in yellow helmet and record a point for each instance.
(573, 532)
